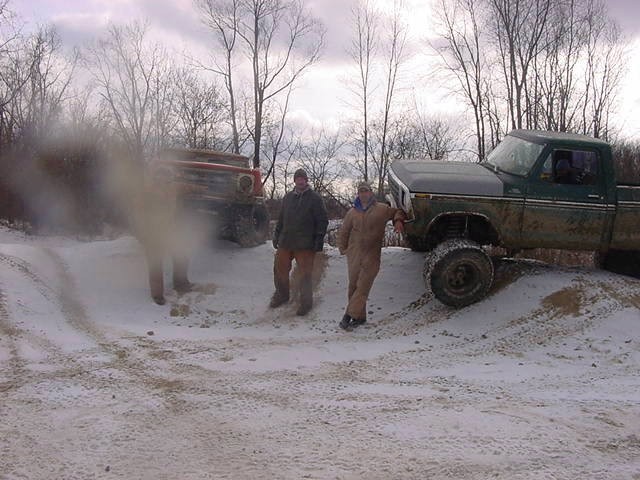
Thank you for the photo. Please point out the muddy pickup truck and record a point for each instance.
(228, 192)
(536, 189)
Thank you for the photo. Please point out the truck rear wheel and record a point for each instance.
(458, 272)
(622, 262)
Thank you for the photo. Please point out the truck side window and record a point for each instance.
(585, 164)
(571, 167)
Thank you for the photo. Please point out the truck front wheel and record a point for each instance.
(252, 226)
(458, 272)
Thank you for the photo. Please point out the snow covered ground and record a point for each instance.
(539, 381)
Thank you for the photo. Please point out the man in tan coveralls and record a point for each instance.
(361, 237)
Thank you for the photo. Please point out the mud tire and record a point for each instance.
(458, 272)
(251, 226)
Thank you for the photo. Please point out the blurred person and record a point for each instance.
(299, 234)
(360, 238)
(158, 224)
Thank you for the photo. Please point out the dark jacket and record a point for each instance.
(302, 223)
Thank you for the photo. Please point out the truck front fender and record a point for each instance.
(475, 226)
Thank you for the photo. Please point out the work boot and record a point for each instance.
(159, 299)
(304, 308)
(183, 286)
(277, 300)
(356, 322)
(345, 323)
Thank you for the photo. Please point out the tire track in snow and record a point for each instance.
(548, 324)
(565, 313)
(64, 294)
(137, 362)
(14, 335)
(124, 358)
(9, 333)
(227, 423)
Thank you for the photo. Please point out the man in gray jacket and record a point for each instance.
(299, 234)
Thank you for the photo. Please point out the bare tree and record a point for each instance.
(278, 140)
(404, 144)
(126, 70)
(222, 18)
(86, 122)
(35, 76)
(605, 66)
(626, 155)
(15, 72)
(275, 182)
(51, 74)
(362, 51)
(285, 168)
(280, 40)
(438, 137)
(200, 112)
(396, 43)
(518, 30)
(559, 64)
(577, 71)
(319, 156)
(462, 53)
(163, 120)
(552, 96)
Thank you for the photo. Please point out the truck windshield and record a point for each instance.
(513, 155)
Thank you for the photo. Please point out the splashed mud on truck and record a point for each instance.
(536, 189)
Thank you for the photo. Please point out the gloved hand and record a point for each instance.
(318, 243)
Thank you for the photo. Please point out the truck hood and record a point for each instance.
(448, 177)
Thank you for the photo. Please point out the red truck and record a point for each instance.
(228, 189)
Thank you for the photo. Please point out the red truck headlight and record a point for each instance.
(245, 184)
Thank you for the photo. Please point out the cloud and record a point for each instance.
(177, 17)
(336, 16)
(627, 14)
(323, 90)
(174, 22)
(80, 29)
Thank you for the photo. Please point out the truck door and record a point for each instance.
(566, 205)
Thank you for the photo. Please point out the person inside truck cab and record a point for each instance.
(563, 171)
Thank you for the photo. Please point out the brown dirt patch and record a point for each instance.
(566, 301)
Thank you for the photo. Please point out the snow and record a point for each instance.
(539, 380)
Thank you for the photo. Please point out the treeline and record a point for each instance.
(545, 64)
(65, 114)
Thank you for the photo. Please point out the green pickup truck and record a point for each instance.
(536, 189)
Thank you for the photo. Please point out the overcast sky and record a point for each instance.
(322, 95)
